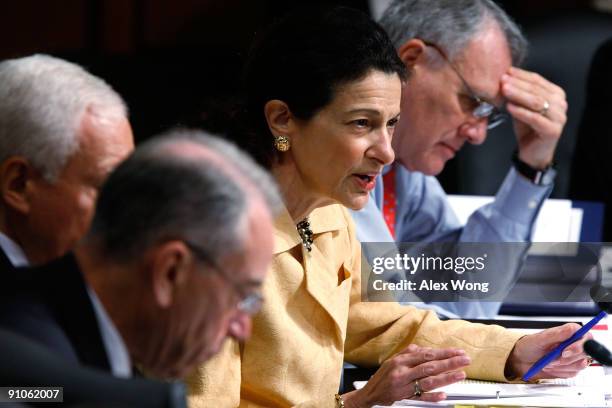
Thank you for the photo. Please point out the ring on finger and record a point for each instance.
(589, 361)
(418, 391)
(545, 108)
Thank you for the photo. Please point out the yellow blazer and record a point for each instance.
(313, 318)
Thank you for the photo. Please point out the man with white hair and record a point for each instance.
(462, 58)
(62, 130)
(172, 265)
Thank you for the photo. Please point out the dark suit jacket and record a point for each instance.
(50, 305)
(591, 177)
(5, 263)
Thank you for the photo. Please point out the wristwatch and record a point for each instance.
(539, 177)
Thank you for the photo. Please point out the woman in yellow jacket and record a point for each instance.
(323, 100)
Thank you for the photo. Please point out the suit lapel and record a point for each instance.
(5, 264)
(76, 313)
(322, 284)
(323, 265)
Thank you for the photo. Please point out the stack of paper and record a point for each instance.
(588, 389)
(557, 221)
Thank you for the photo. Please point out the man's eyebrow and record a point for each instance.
(251, 282)
(482, 95)
(486, 98)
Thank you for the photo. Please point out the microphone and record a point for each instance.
(602, 296)
(598, 352)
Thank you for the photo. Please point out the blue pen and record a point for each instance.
(548, 358)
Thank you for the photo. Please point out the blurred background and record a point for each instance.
(179, 62)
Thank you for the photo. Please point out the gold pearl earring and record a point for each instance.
(282, 143)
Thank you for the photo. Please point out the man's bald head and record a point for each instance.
(184, 230)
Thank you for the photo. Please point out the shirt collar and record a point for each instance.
(13, 251)
(116, 350)
(387, 168)
(323, 219)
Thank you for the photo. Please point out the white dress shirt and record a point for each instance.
(117, 353)
(13, 251)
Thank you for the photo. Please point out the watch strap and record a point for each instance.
(540, 177)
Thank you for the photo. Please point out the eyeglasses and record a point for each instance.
(250, 303)
(483, 109)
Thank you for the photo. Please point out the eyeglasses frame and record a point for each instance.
(250, 303)
(494, 114)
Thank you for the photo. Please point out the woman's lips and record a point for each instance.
(366, 181)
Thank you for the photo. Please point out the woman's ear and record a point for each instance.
(278, 117)
(411, 52)
(15, 174)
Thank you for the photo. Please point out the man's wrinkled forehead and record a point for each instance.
(484, 61)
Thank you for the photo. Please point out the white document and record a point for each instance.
(472, 389)
(556, 222)
(576, 224)
(588, 389)
(546, 401)
(485, 389)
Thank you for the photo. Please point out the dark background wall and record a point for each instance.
(173, 61)
(180, 61)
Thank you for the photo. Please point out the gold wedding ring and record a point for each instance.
(417, 389)
(545, 108)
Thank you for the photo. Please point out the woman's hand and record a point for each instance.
(530, 349)
(396, 379)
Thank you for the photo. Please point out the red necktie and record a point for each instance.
(389, 200)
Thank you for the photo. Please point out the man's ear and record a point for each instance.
(411, 52)
(171, 265)
(15, 174)
(278, 117)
